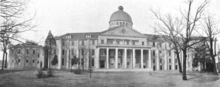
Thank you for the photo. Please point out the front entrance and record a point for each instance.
(102, 64)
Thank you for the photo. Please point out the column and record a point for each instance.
(67, 58)
(165, 60)
(59, 54)
(116, 58)
(142, 58)
(149, 58)
(97, 58)
(125, 57)
(107, 58)
(157, 60)
(134, 62)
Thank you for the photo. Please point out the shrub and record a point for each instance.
(40, 73)
(77, 71)
(49, 72)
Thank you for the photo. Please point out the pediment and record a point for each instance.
(122, 31)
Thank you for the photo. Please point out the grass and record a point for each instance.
(109, 79)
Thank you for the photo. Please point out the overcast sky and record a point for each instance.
(71, 16)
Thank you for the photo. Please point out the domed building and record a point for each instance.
(120, 47)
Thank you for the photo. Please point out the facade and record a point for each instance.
(118, 47)
(26, 55)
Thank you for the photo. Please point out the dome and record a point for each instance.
(120, 15)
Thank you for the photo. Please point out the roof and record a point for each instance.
(120, 15)
(86, 35)
(27, 44)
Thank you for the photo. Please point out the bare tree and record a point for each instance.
(169, 29)
(184, 28)
(12, 24)
(211, 30)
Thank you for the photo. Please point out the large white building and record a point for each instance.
(118, 47)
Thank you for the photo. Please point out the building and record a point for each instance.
(26, 55)
(118, 47)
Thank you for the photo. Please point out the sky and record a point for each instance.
(72, 16)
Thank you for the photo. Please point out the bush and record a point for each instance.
(77, 71)
(50, 72)
(40, 73)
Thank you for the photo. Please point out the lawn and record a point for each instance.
(110, 79)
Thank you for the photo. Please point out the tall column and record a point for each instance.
(125, 58)
(107, 58)
(97, 58)
(157, 60)
(165, 60)
(134, 59)
(116, 58)
(142, 58)
(149, 59)
(59, 45)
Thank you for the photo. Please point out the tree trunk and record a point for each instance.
(212, 55)
(3, 60)
(215, 69)
(184, 77)
(6, 54)
(179, 63)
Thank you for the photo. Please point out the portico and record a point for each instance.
(123, 58)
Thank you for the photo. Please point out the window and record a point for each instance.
(72, 51)
(102, 41)
(169, 60)
(18, 60)
(110, 41)
(153, 60)
(153, 44)
(142, 43)
(33, 51)
(117, 41)
(26, 61)
(92, 62)
(153, 53)
(161, 67)
(93, 42)
(93, 52)
(82, 42)
(160, 51)
(38, 62)
(19, 51)
(38, 55)
(54, 51)
(72, 43)
(126, 42)
(62, 61)
(176, 67)
(63, 52)
(154, 67)
(170, 44)
(169, 67)
(133, 42)
(169, 53)
(161, 60)
(63, 43)
(33, 61)
(82, 52)
(27, 51)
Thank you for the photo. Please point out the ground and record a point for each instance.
(21, 78)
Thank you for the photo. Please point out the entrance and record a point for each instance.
(102, 64)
